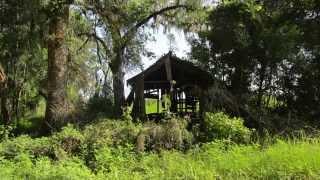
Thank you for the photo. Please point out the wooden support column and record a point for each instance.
(158, 101)
(172, 92)
(139, 108)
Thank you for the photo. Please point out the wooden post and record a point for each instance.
(139, 108)
(158, 103)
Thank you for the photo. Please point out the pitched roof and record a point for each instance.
(182, 72)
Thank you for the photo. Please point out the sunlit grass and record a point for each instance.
(151, 106)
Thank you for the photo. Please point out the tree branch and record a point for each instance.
(159, 12)
(96, 37)
(131, 31)
(83, 45)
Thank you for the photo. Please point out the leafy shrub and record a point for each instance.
(111, 132)
(111, 159)
(23, 167)
(38, 147)
(171, 134)
(69, 139)
(29, 125)
(221, 126)
(5, 132)
(126, 114)
(94, 154)
(106, 134)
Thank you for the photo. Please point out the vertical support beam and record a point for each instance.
(139, 108)
(168, 69)
(172, 93)
(186, 102)
(158, 101)
(203, 102)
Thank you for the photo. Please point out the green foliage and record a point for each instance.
(171, 134)
(266, 54)
(112, 159)
(24, 168)
(68, 141)
(284, 159)
(100, 106)
(41, 147)
(111, 132)
(21, 55)
(106, 134)
(281, 160)
(165, 100)
(126, 114)
(5, 132)
(221, 126)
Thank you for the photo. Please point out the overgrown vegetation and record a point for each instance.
(113, 149)
(221, 126)
(63, 112)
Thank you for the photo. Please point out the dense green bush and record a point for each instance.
(39, 147)
(67, 141)
(221, 126)
(111, 132)
(170, 134)
(5, 132)
(104, 135)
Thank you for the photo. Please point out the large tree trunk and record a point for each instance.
(139, 108)
(5, 116)
(57, 68)
(4, 111)
(118, 83)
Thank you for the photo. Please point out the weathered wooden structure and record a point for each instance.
(181, 80)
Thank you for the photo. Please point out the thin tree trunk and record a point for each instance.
(261, 80)
(57, 69)
(5, 115)
(118, 84)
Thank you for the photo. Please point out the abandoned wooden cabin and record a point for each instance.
(180, 80)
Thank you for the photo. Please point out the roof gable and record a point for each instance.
(183, 72)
